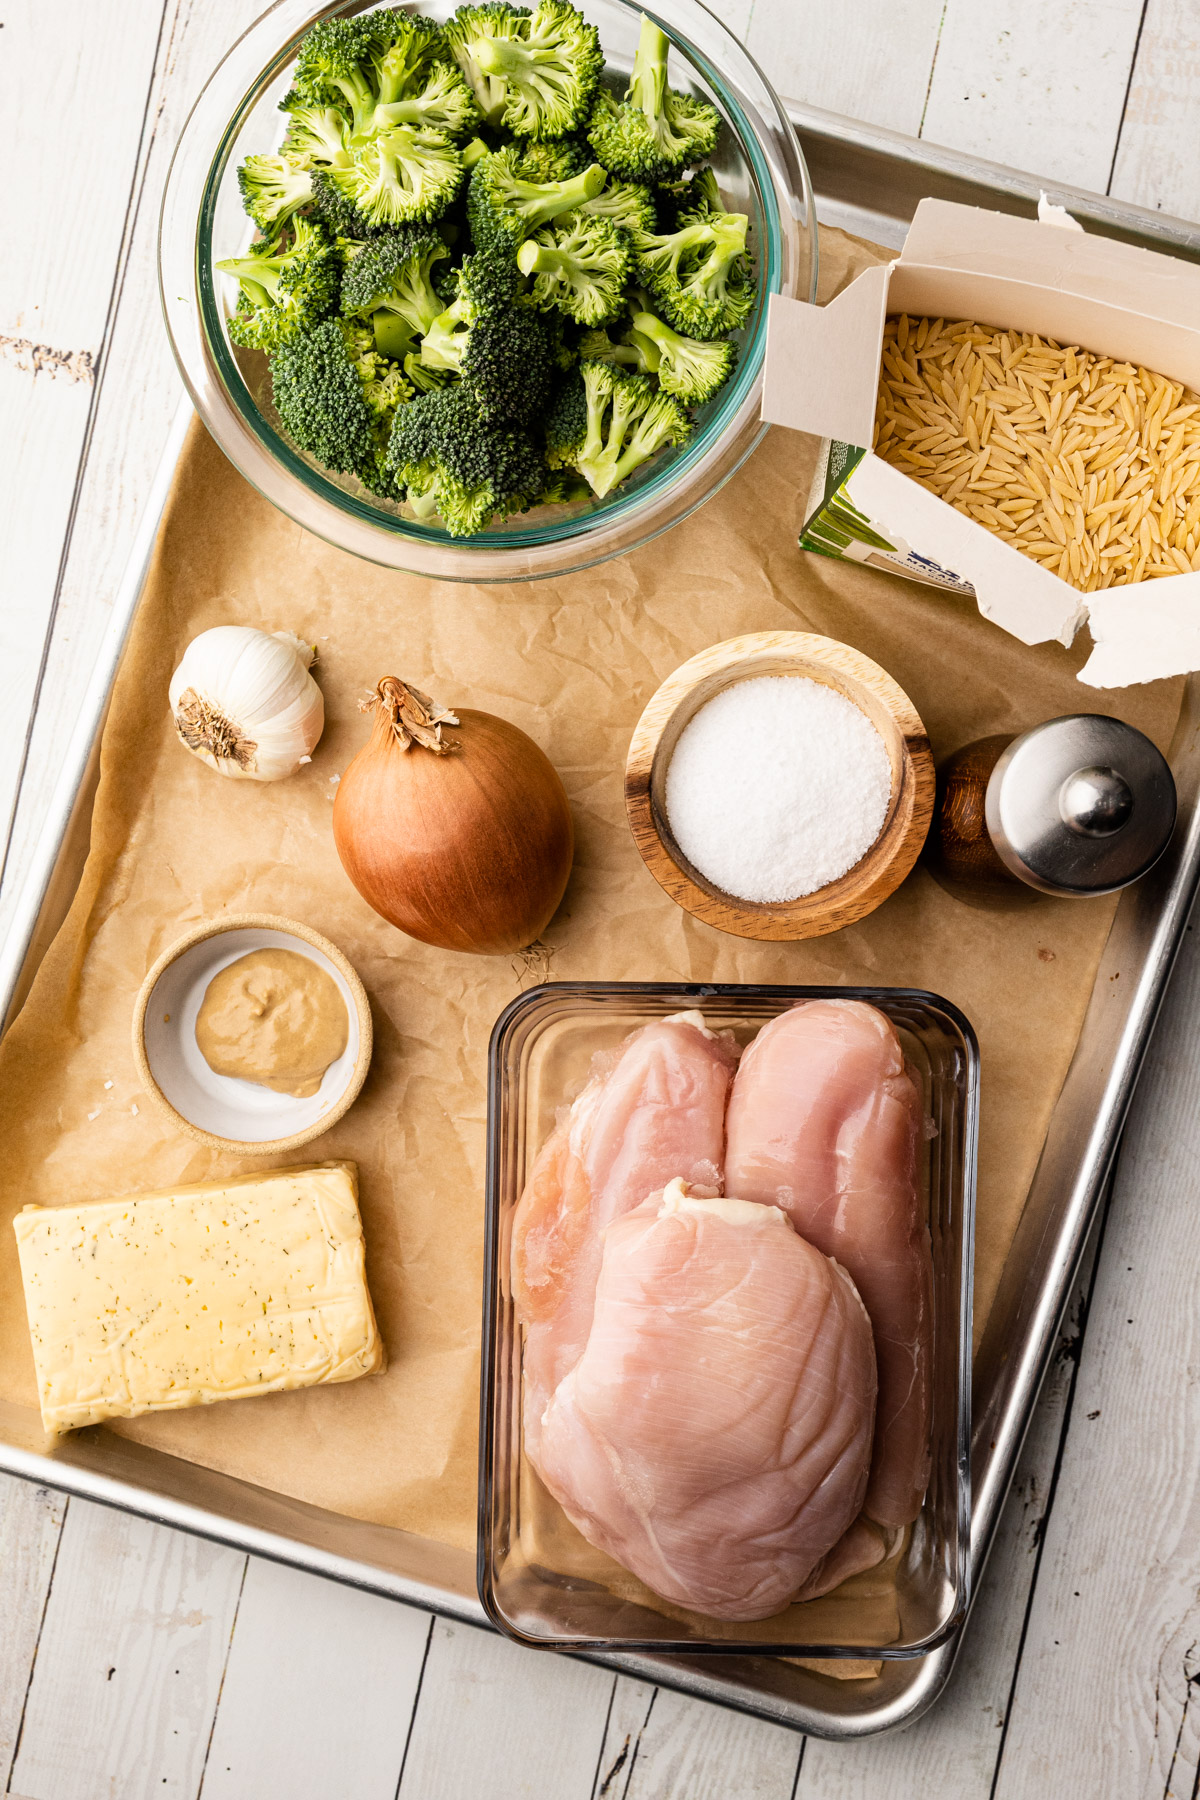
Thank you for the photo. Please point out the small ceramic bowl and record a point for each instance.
(876, 874)
(220, 1110)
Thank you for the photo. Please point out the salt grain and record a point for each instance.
(777, 786)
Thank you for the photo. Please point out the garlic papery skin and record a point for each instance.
(243, 701)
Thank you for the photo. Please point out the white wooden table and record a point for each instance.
(136, 1661)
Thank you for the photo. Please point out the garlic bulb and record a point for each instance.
(244, 702)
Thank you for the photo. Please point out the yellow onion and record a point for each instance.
(463, 842)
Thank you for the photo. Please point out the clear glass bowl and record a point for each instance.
(539, 1580)
(761, 172)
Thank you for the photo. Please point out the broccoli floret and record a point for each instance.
(340, 215)
(504, 209)
(698, 273)
(700, 197)
(272, 190)
(543, 159)
(628, 420)
(445, 103)
(400, 176)
(384, 385)
(655, 132)
(335, 400)
(692, 198)
(423, 378)
(564, 488)
(566, 423)
(404, 51)
(500, 348)
(389, 283)
(443, 446)
(316, 133)
(598, 346)
(686, 367)
(283, 286)
(334, 67)
(627, 203)
(532, 72)
(579, 267)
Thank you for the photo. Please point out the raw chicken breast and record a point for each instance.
(715, 1435)
(824, 1121)
(655, 1112)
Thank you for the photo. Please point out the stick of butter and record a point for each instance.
(213, 1292)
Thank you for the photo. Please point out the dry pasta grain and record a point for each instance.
(1087, 465)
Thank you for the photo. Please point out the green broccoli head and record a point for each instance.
(444, 103)
(628, 422)
(341, 217)
(600, 346)
(402, 175)
(404, 51)
(532, 72)
(384, 383)
(272, 189)
(389, 283)
(551, 159)
(443, 446)
(500, 348)
(316, 133)
(579, 266)
(422, 378)
(628, 204)
(567, 422)
(335, 398)
(564, 487)
(690, 369)
(504, 209)
(698, 273)
(334, 67)
(283, 286)
(655, 132)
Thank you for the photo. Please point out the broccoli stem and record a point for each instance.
(648, 83)
(504, 57)
(541, 259)
(258, 276)
(542, 202)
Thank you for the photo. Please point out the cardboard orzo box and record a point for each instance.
(1043, 276)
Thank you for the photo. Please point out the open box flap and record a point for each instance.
(822, 365)
(1042, 254)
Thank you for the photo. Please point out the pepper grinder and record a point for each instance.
(1078, 806)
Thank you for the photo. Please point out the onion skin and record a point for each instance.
(467, 846)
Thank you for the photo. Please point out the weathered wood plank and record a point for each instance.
(129, 1663)
(31, 1521)
(496, 1720)
(687, 1748)
(870, 62)
(1105, 1696)
(318, 1692)
(64, 218)
(1038, 87)
(1156, 164)
(951, 1753)
(628, 1713)
(137, 392)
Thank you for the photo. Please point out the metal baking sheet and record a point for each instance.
(868, 181)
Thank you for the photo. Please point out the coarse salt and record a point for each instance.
(777, 786)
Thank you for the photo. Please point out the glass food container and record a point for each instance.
(539, 1580)
(761, 172)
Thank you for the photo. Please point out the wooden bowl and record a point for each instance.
(877, 874)
(218, 1110)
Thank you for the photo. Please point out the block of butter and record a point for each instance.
(214, 1292)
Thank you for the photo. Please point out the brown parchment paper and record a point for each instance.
(572, 662)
